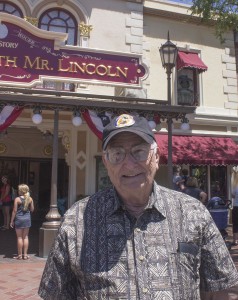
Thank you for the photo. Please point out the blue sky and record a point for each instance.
(182, 1)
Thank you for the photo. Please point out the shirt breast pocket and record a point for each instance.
(188, 256)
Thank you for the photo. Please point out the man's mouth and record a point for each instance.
(131, 175)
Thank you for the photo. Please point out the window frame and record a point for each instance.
(196, 86)
(58, 10)
(20, 14)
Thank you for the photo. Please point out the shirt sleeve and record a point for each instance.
(58, 279)
(217, 271)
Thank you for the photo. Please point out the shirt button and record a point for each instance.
(141, 257)
(145, 290)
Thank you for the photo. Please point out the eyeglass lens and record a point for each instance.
(139, 153)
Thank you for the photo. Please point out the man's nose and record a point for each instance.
(129, 159)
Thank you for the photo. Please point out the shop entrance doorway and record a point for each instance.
(36, 173)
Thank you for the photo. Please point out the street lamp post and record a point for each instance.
(168, 53)
(49, 228)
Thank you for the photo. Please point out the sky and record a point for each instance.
(182, 1)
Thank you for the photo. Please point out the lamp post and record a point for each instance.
(168, 53)
(49, 228)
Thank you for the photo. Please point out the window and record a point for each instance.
(188, 87)
(10, 9)
(60, 20)
(218, 184)
(201, 173)
(189, 67)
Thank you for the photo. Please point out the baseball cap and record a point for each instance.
(127, 123)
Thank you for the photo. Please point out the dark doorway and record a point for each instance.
(44, 185)
(37, 174)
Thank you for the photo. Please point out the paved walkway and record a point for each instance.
(19, 279)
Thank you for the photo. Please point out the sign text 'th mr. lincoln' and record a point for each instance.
(28, 55)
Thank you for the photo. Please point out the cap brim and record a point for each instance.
(149, 139)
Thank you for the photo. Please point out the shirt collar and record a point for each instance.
(155, 200)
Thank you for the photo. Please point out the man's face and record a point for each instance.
(131, 176)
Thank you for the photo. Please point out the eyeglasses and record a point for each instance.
(139, 153)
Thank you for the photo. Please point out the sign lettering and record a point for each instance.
(28, 56)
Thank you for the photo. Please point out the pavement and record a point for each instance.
(19, 279)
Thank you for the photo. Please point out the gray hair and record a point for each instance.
(154, 146)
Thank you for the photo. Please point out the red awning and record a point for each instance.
(190, 60)
(199, 150)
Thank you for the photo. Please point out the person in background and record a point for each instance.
(234, 192)
(194, 191)
(5, 199)
(184, 176)
(21, 220)
(136, 240)
(177, 179)
(61, 202)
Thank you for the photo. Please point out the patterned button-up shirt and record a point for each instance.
(171, 251)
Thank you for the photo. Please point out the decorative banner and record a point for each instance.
(28, 55)
(97, 122)
(8, 115)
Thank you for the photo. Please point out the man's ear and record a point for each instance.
(104, 161)
(157, 157)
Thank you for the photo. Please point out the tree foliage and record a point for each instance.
(223, 12)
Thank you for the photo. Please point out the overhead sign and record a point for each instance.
(29, 55)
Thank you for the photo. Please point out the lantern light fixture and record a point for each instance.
(37, 116)
(77, 120)
(152, 124)
(185, 124)
(168, 53)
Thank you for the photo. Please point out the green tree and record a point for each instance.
(223, 14)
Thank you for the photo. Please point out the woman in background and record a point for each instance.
(5, 199)
(234, 192)
(21, 219)
(194, 191)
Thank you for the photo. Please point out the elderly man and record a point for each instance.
(136, 240)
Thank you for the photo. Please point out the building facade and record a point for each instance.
(204, 76)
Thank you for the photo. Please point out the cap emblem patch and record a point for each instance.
(124, 121)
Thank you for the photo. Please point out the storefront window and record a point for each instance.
(218, 182)
(200, 172)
